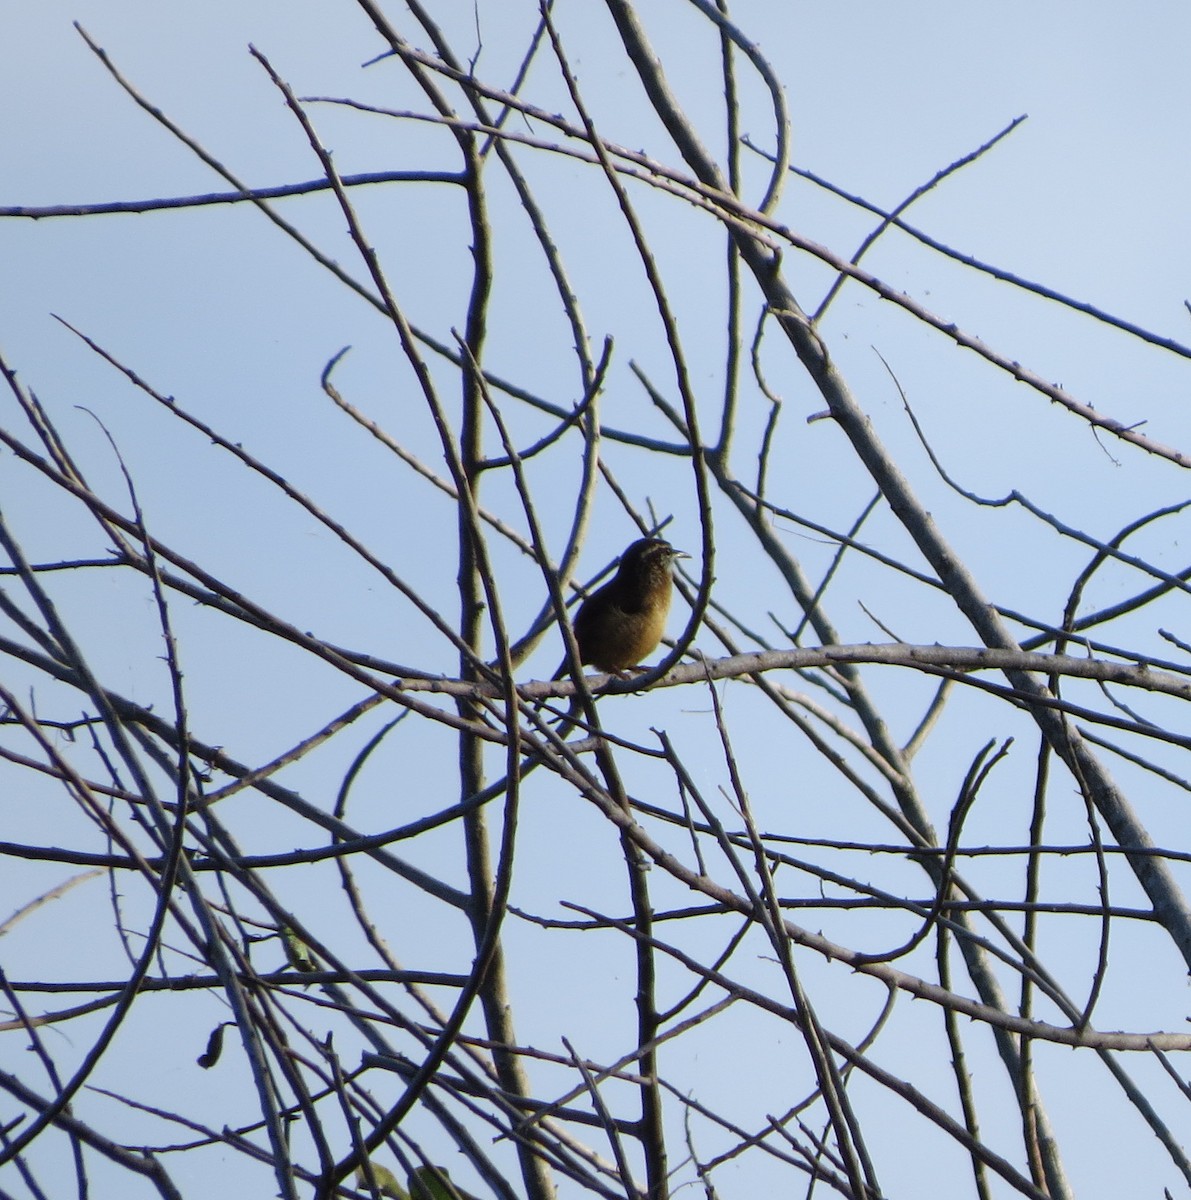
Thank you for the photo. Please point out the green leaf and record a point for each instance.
(299, 955)
(386, 1182)
(434, 1183)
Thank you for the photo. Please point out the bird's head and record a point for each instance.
(648, 557)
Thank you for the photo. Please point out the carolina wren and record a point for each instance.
(622, 622)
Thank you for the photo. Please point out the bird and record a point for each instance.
(622, 622)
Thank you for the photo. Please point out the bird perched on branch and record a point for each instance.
(622, 622)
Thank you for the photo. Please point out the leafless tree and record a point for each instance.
(304, 810)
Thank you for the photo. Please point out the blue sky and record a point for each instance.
(216, 308)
